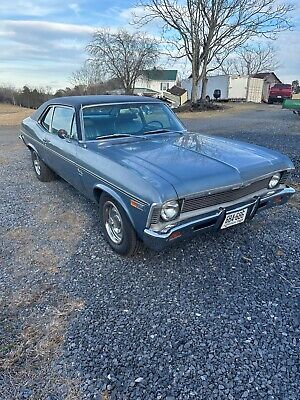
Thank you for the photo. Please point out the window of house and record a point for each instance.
(164, 85)
(62, 119)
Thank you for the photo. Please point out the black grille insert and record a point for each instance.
(214, 199)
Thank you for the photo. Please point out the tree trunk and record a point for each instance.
(204, 87)
(194, 96)
(203, 78)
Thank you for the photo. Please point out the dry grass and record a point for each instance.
(35, 314)
(28, 355)
(13, 115)
(43, 334)
(4, 161)
(29, 253)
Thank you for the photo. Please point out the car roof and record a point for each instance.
(78, 101)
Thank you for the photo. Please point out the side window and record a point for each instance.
(46, 121)
(62, 119)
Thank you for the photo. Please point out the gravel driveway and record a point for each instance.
(214, 318)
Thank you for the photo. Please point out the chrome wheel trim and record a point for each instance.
(36, 164)
(113, 222)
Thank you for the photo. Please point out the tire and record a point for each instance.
(42, 171)
(120, 235)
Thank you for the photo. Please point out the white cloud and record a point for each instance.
(42, 46)
(288, 45)
(29, 7)
(24, 25)
(75, 7)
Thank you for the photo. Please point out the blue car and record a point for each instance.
(153, 181)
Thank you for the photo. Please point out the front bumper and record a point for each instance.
(213, 221)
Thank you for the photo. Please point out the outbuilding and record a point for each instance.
(270, 79)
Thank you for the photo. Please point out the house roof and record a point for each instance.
(176, 90)
(160, 74)
(264, 75)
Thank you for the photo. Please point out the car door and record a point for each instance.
(63, 149)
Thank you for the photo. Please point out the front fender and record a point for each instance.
(137, 217)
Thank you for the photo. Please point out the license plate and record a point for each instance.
(234, 218)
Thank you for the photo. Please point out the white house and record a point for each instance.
(156, 81)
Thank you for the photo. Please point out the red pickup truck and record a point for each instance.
(279, 92)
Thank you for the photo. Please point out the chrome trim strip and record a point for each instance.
(88, 171)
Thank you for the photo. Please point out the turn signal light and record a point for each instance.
(175, 235)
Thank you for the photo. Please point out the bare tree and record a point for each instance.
(204, 29)
(123, 55)
(251, 59)
(88, 75)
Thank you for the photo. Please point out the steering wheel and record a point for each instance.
(154, 124)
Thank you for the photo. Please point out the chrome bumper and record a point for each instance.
(214, 220)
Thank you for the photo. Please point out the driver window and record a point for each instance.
(62, 119)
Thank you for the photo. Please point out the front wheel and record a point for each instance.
(42, 171)
(117, 228)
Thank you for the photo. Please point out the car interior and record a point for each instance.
(102, 125)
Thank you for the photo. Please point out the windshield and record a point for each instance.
(116, 120)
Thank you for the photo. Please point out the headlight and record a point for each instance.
(169, 210)
(274, 180)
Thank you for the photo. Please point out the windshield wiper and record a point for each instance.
(115, 136)
(156, 131)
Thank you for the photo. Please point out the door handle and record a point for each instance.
(46, 140)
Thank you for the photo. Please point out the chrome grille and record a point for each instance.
(214, 199)
(284, 176)
(155, 216)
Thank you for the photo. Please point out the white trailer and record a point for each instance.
(233, 87)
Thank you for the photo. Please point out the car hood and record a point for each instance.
(194, 162)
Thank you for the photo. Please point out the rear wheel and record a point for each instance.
(117, 228)
(42, 171)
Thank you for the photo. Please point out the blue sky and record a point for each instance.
(42, 41)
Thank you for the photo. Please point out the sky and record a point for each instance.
(42, 42)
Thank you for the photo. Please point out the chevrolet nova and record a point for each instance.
(153, 181)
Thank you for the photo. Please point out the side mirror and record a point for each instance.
(62, 133)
